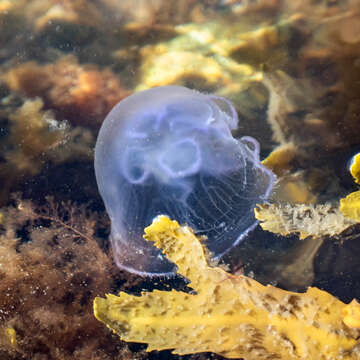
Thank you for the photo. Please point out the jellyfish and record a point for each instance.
(169, 151)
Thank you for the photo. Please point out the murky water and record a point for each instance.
(291, 70)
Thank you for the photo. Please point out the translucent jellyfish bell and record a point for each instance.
(169, 150)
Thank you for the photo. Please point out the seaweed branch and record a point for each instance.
(78, 219)
(49, 279)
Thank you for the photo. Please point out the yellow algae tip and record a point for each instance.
(350, 206)
(352, 314)
(234, 316)
(355, 168)
(5, 6)
(10, 333)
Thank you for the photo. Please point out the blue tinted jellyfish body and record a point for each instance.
(169, 150)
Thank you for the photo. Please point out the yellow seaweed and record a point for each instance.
(350, 206)
(279, 160)
(304, 219)
(355, 168)
(10, 334)
(234, 316)
(5, 6)
(352, 314)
